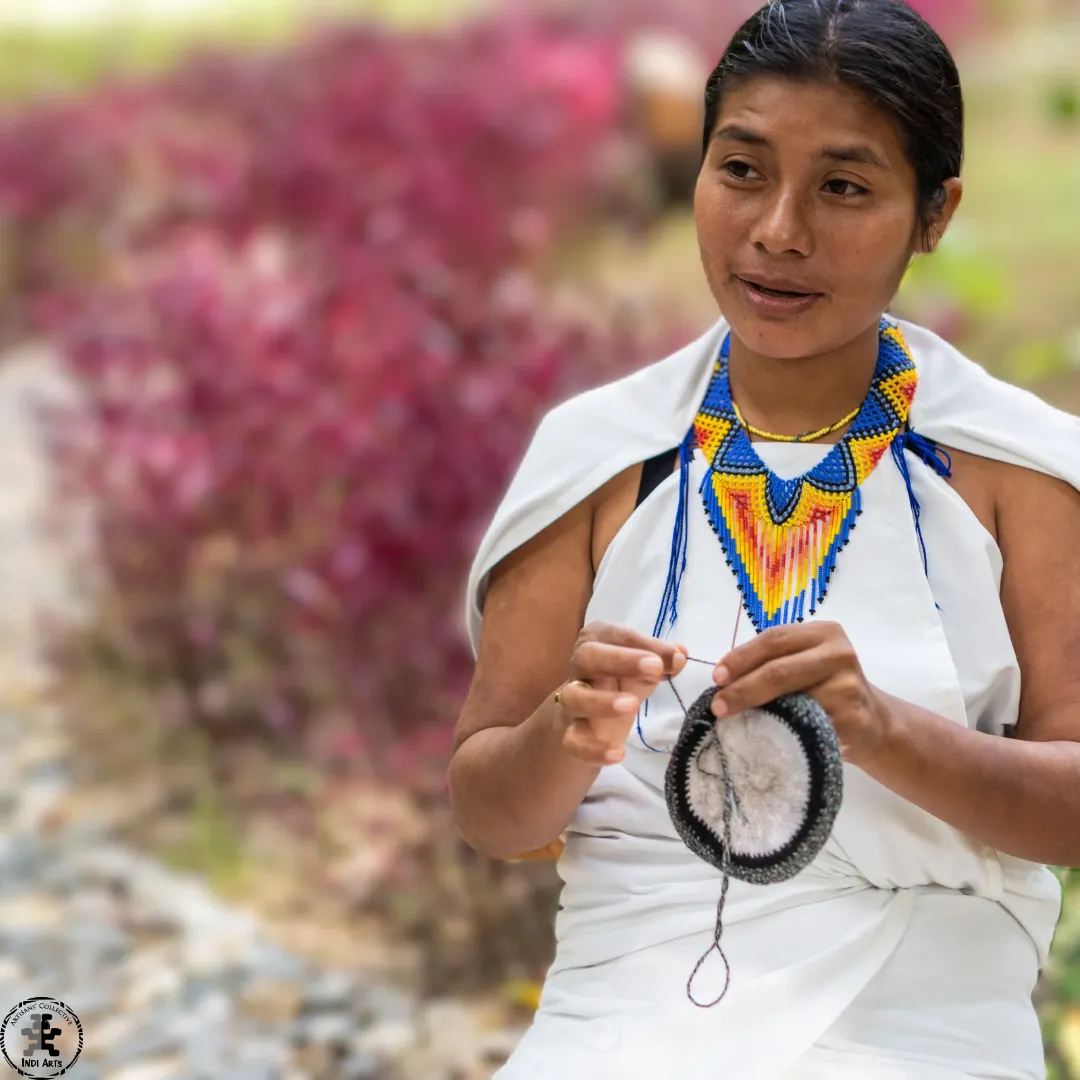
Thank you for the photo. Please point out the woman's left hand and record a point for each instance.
(815, 658)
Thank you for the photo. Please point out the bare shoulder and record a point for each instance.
(976, 480)
(535, 606)
(1035, 520)
(533, 609)
(613, 504)
(1038, 519)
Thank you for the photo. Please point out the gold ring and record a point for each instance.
(572, 682)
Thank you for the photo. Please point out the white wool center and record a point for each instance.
(771, 776)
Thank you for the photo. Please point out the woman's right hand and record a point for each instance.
(612, 671)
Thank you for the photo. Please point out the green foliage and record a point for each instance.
(1063, 103)
(213, 846)
(1058, 995)
(1035, 359)
(36, 61)
(33, 62)
(961, 271)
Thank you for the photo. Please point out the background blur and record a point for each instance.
(284, 287)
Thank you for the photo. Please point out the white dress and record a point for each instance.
(905, 950)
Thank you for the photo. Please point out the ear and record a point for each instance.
(941, 212)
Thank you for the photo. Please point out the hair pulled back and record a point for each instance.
(882, 48)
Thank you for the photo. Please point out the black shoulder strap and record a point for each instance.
(654, 472)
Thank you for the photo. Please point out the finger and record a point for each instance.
(770, 645)
(606, 717)
(580, 701)
(786, 675)
(597, 659)
(673, 656)
(580, 740)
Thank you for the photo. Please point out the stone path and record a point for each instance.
(169, 982)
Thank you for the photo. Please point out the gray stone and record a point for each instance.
(11, 971)
(162, 1069)
(84, 968)
(265, 1051)
(89, 1001)
(269, 1002)
(153, 985)
(37, 911)
(21, 858)
(38, 799)
(54, 772)
(198, 987)
(269, 962)
(25, 943)
(93, 904)
(110, 1034)
(206, 1053)
(111, 865)
(147, 1042)
(203, 958)
(77, 908)
(11, 728)
(215, 1009)
(378, 1003)
(327, 1029)
(387, 1039)
(331, 991)
(97, 945)
(361, 1066)
(145, 912)
(253, 1072)
(82, 834)
(60, 877)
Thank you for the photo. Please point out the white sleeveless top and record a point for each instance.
(905, 950)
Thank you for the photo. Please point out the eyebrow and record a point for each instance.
(858, 153)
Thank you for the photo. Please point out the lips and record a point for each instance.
(782, 287)
(776, 299)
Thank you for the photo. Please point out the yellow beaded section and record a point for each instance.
(782, 538)
(809, 436)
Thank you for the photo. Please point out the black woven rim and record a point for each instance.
(812, 726)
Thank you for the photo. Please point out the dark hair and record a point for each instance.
(883, 48)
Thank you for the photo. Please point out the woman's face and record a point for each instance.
(806, 215)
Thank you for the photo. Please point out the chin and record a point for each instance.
(779, 339)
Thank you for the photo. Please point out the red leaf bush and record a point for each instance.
(461, 150)
(314, 356)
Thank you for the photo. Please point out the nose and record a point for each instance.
(783, 228)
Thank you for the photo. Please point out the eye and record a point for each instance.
(846, 189)
(741, 170)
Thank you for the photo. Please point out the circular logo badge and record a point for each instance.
(41, 1038)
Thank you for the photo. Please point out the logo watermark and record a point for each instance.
(41, 1038)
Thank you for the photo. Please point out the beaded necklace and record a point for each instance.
(782, 537)
(806, 436)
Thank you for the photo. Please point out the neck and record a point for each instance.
(792, 396)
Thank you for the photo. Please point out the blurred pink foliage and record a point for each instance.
(443, 150)
(313, 355)
(950, 17)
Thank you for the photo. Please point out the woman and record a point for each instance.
(941, 640)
